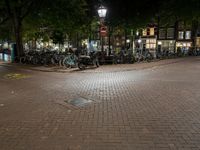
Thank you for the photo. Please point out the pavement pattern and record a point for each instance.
(149, 106)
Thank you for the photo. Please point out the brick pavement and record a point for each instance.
(149, 108)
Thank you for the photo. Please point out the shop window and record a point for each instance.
(188, 35)
(170, 33)
(161, 33)
(151, 43)
(184, 44)
(181, 35)
(188, 44)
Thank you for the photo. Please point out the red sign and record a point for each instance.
(103, 31)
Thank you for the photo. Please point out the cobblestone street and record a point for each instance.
(149, 106)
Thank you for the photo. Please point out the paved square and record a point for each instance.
(153, 106)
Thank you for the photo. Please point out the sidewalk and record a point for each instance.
(104, 68)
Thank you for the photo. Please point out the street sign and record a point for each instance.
(103, 31)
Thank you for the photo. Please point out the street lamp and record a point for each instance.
(102, 11)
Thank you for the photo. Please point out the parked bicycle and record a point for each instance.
(90, 60)
(70, 60)
(143, 55)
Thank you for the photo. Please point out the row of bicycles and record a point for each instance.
(49, 57)
(70, 59)
(146, 55)
(79, 59)
(179, 53)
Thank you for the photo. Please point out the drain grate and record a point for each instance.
(79, 102)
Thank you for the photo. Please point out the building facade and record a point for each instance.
(148, 38)
(177, 36)
(184, 36)
(166, 38)
(197, 38)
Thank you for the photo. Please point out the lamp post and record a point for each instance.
(102, 11)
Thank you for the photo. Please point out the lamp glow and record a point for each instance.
(102, 12)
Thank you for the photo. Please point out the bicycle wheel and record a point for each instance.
(67, 62)
(81, 66)
(149, 57)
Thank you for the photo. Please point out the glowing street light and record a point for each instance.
(102, 11)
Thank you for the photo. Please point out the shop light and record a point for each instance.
(128, 41)
(137, 33)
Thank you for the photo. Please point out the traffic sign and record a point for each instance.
(103, 31)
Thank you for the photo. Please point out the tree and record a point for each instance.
(16, 11)
(65, 15)
(187, 10)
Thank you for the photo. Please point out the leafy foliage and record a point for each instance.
(33, 19)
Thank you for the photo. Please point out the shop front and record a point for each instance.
(7, 52)
(166, 45)
(149, 44)
(183, 46)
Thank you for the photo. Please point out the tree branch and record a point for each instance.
(7, 2)
(28, 9)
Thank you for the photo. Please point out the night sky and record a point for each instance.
(129, 10)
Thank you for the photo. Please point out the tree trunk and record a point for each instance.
(17, 24)
(18, 38)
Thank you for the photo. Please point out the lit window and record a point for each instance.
(151, 43)
(180, 34)
(151, 31)
(188, 44)
(198, 42)
(188, 35)
(183, 44)
(144, 33)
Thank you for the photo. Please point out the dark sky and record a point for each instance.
(125, 9)
(135, 11)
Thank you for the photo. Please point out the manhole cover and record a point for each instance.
(79, 102)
